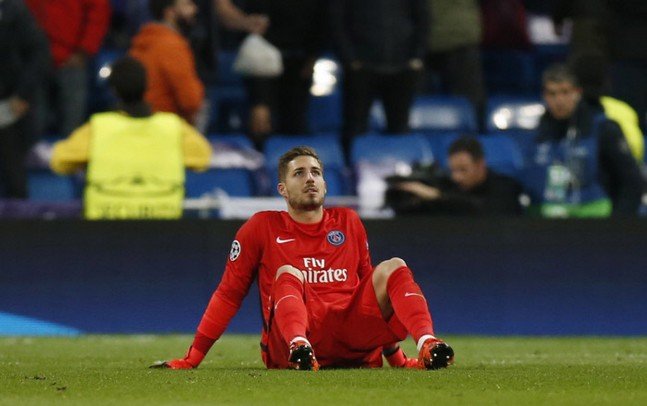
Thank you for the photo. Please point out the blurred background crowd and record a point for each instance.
(415, 106)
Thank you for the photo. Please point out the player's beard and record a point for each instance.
(307, 203)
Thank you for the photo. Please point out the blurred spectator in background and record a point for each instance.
(589, 30)
(591, 73)
(471, 188)
(627, 40)
(454, 40)
(75, 29)
(173, 82)
(135, 158)
(381, 44)
(505, 25)
(280, 105)
(25, 56)
(233, 18)
(582, 165)
(203, 35)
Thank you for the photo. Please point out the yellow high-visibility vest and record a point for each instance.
(135, 168)
(627, 119)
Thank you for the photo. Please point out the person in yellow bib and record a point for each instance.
(135, 158)
(581, 164)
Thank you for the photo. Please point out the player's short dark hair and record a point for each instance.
(292, 154)
(469, 145)
(128, 79)
(157, 7)
(559, 72)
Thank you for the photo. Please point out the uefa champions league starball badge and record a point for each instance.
(235, 250)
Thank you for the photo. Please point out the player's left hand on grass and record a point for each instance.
(192, 359)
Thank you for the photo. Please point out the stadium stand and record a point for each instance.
(509, 72)
(442, 114)
(45, 186)
(101, 98)
(381, 148)
(234, 182)
(502, 154)
(440, 144)
(325, 112)
(228, 99)
(506, 113)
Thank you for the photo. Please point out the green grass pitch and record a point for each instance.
(94, 370)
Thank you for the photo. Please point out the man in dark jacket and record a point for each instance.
(471, 189)
(381, 44)
(25, 56)
(627, 34)
(581, 165)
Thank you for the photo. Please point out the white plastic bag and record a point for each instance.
(7, 115)
(257, 57)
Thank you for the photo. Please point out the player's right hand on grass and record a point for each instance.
(173, 364)
(191, 360)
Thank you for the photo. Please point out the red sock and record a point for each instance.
(289, 308)
(409, 304)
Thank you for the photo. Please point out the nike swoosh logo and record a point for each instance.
(407, 294)
(280, 241)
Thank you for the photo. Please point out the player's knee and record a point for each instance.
(291, 270)
(386, 268)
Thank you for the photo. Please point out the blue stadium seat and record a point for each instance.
(440, 143)
(235, 182)
(45, 186)
(502, 154)
(510, 72)
(442, 113)
(325, 112)
(228, 109)
(328, 148)
(236, 140)
(228, 98)
(226, 74)
(376, 148)
(515, 113)
(525, 140)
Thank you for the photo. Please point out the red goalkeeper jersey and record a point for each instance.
(332, 255)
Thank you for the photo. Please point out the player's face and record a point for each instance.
(561, 98)
(304, 187)
(466, 172)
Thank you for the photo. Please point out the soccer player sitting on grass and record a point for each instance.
(320, 294)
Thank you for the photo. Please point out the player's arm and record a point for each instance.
(365, 266)
(240, 272)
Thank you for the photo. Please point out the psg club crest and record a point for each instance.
(235, 250)
(336, 237)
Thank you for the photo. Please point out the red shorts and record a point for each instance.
(344, 334)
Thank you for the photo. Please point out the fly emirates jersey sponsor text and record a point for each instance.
(332, 255)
